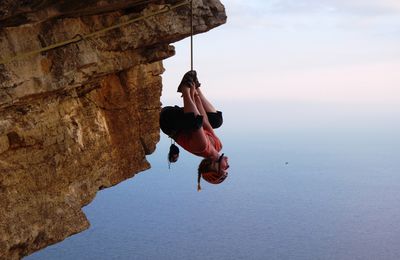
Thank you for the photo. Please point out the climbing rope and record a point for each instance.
(77, 38)
(191, 34)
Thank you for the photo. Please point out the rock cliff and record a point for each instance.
(83, 116)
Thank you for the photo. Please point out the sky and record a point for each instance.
(344, 51)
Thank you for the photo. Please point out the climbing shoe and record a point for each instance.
(187, 80)
(196, 80)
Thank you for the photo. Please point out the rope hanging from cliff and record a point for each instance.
(77, 38)
(191, 34)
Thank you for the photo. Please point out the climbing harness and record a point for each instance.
(77, 38)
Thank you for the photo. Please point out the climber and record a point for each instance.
(191, 126)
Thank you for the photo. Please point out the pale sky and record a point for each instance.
(297, 50)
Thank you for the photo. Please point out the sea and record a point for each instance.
(307, 180)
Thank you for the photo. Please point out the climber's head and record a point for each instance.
(213, 171)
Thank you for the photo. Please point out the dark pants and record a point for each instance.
(173, 120)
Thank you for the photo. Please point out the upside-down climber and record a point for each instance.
(191, 126)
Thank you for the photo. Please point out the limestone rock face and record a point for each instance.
(81, 117)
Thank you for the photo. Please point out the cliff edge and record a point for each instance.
(83, 116)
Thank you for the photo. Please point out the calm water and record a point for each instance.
(337, 198)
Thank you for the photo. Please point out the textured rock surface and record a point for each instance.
(81, 117)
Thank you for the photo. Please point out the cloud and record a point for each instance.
(366, 7)
(290, 7)
(375, 15)
(362, 7)
(362, 83)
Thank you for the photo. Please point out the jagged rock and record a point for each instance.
(81, 117)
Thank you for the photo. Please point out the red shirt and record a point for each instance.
(213, 143)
